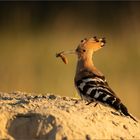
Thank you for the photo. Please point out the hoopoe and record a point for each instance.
(89, 81)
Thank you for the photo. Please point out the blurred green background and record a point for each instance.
(32, 32)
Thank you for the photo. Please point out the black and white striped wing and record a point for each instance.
(97, 89)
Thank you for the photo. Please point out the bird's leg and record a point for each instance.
(95, 104)
(89, 103)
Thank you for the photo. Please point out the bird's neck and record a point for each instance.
(86, 66)
(84, 63)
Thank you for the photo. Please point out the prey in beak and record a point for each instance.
(63, 54)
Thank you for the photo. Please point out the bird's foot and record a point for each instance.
(91, 102)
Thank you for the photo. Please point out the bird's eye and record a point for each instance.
(84, 50)
(82, 41)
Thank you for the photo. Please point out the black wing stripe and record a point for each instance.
(110, 100)
(86, 88)
(92, 94)
(104, 90)
(116, 104)
(100, 98)
(79, 82)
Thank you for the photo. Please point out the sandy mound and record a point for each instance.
(28, 117)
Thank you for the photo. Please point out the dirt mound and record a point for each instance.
(26, 116)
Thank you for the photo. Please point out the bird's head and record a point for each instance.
(85, 49)
(89, 46)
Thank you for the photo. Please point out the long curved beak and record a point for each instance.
(65, 53)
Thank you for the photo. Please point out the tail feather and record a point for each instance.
(125, 112)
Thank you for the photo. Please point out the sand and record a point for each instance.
(25, 116)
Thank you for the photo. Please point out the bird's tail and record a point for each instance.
(125, 112)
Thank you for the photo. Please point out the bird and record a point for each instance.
(91, 83)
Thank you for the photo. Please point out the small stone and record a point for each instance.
(121, 138)
(116, 124)
(125, 127)
(52, 97)
(88, 137)
(64, 138)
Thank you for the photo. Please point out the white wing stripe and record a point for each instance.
(105, 98)
(91, 79)
(90, 90)
(97, 94)
(81, 86)
(105, 89)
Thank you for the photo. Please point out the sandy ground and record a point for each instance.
(48, 117)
